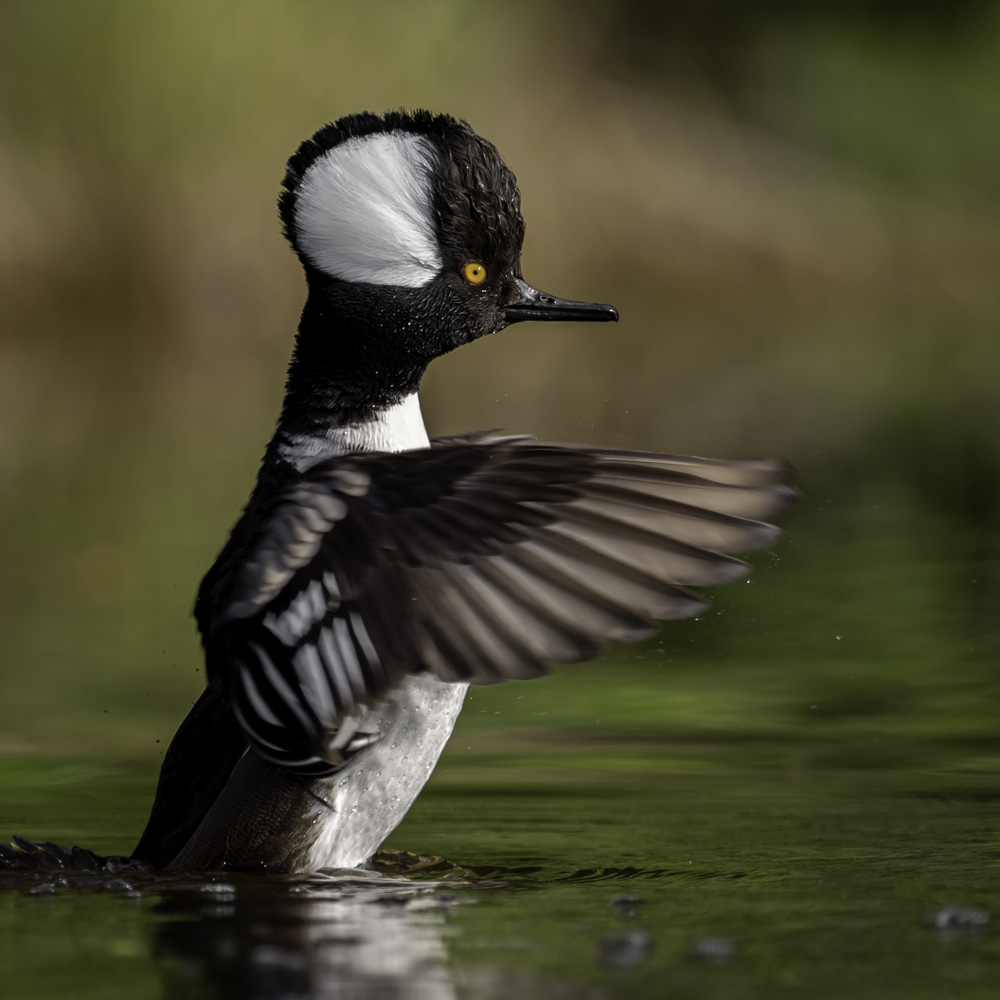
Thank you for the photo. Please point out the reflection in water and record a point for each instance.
(371, 934)
(836, 884)
(360, 934)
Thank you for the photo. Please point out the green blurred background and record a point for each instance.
(796, 208)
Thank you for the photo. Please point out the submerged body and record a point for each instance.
(375, 574)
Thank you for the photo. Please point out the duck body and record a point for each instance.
(251, 814)
(266, 818)
(374, 573)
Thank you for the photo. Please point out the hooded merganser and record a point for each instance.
(374, 573)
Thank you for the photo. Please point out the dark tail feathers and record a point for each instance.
(23, 855)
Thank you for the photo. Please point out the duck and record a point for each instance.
(376, 573)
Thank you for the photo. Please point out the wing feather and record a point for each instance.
(480, 559)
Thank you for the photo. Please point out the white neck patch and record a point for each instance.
(396, 428)
(363, 211)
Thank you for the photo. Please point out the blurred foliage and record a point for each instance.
(795, 208)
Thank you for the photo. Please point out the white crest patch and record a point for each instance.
(363, 211)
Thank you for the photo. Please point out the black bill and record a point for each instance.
(534, 304)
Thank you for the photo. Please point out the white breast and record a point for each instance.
(359, 806)
(396, 428)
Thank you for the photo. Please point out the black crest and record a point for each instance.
(476, 201)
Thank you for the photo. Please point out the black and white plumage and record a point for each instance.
(480, 560)
(374, 573)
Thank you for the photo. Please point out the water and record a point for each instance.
(748, 884)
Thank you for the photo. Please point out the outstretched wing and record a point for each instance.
(479, 559)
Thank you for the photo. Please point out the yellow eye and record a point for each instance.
(474, 274)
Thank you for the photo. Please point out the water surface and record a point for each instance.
(758, 883)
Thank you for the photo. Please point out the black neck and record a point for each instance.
(351, 359)
(354, 356)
